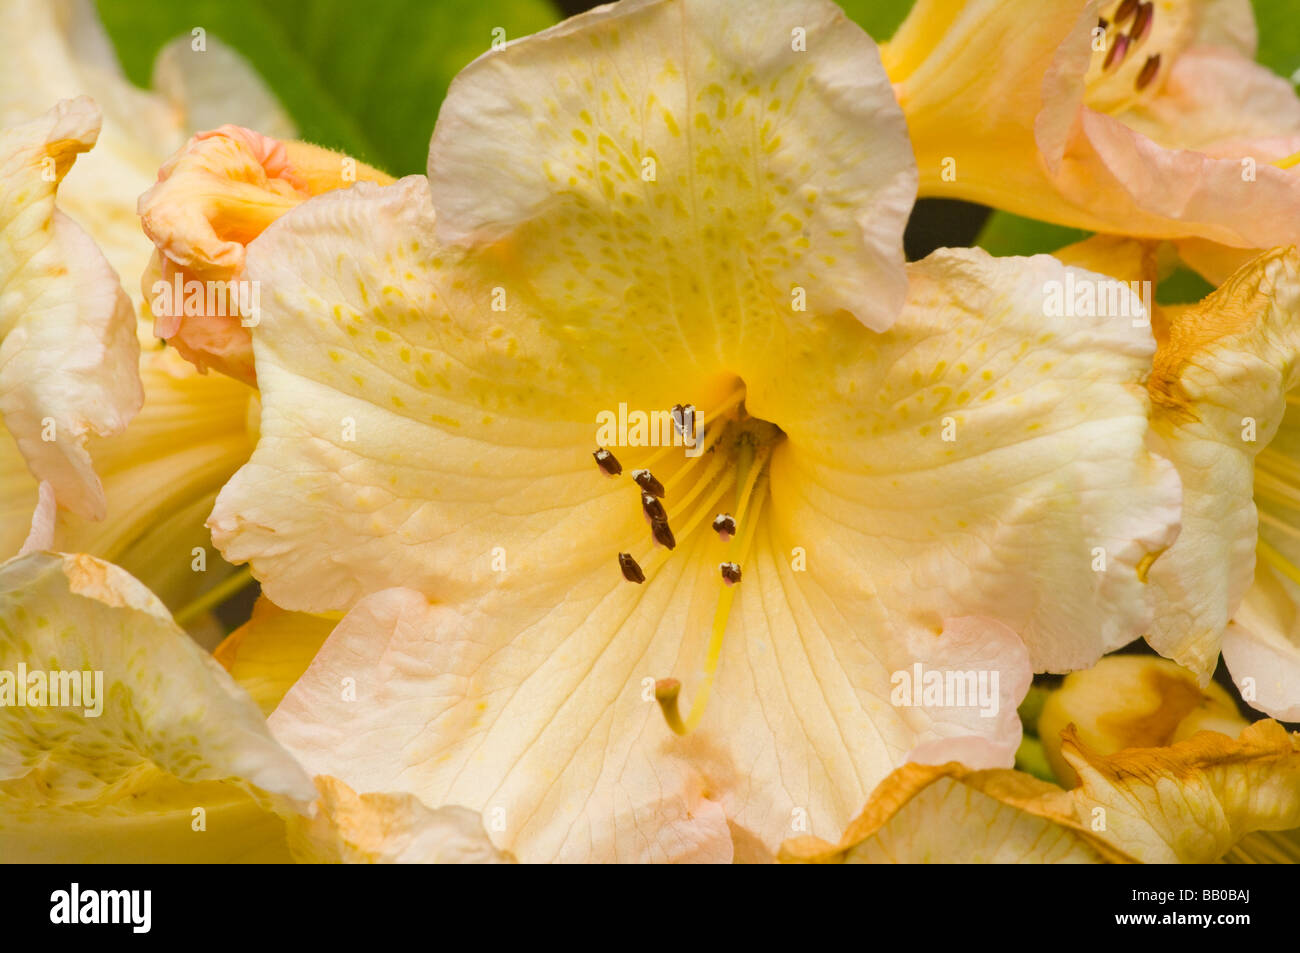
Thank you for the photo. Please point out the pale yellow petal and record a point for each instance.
(1219, 388)
(946, 814)
(267, 654)
(161, 476)
(156, 732)
(1191, 802)
(68, 350)
(1132, 701)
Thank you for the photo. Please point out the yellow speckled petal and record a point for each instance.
(696, 155)
(998, 424)
(158, 730)
(68, 350)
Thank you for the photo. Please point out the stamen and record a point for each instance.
(1117, 51)
(666, 692)
(608, 462)
(631, 570)
(1102, 24)
(752, 468)
(1148, 73)
(1125, 10)
(724, 524)
(730, 573)
(646, 481)
(1142, 22)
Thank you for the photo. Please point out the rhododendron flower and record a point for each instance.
(611, 229)
(1147, 119)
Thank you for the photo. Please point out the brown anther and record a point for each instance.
(1142, 22)
(1148, 73)
(724, 524)
(730, 573)
(1117, 51)
(608, 462)
(1125, 10)
(647, 481)
(1103, 24)
(631, 570)
(654, 510)
(663, 534)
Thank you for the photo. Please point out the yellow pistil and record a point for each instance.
(747, 521)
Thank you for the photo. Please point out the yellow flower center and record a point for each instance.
(1131, 47)
(717, 484)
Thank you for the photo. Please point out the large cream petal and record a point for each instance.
(68, 351)
(768, 126)
(1219, 389)
(982, 434)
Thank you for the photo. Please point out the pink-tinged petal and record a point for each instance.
(211, 199)
(988, 664)
(41, 536)
(428, 716)
(1262, 651)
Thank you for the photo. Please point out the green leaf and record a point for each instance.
(363, 78)
(1007, 234)
(880, 18)
(1279, 35)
